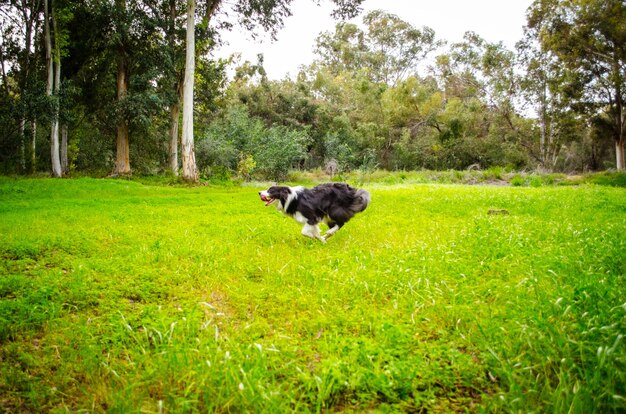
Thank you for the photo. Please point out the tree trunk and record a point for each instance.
(34, 63)
(29, 15)
(65, 168)
(33, 146)
(542, 137)
(50, 87)
(619, 133)
(190, 172)
(23, 144)
(619, 116)
(619, 155)
(5, 82)
(173, 147)
(175, 107)
(122, 163)
(56, 160)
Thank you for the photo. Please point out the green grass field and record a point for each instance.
(121, 296)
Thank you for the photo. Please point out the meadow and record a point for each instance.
(124, 296)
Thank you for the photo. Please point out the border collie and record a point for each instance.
(333, 204)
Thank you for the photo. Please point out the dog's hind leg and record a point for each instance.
(312, 231)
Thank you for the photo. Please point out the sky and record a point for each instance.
(493, 20)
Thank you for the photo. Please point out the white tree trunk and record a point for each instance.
(190, 172)
(54, 139)
(619, 155)
(620, 115)
(50, 86)
(5, 81)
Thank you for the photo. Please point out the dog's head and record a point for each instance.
(276, 193)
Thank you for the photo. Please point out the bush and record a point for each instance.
(245, 166)
(241, 144)
(214, 151)
(518, 181)
(227, 138)
(335, 148)
(278, 150)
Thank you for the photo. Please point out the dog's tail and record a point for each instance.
(362, 199)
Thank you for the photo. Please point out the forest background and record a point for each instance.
(100, 85)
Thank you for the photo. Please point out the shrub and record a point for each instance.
(245, 166)
(239, 143)
(338, 150)
(278, 150)
(518, 181)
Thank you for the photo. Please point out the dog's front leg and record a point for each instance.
(312, 231)
(330, 232)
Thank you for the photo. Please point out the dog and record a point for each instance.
(333, 204)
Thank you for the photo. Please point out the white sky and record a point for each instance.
(494, 20)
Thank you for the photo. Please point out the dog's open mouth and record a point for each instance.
(268, 200)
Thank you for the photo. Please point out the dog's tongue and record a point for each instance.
(269, 200)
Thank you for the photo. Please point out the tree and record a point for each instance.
(190, 171)
(122, 164)
(269, 14)
(589, 37)
(358, 69)
(341, 51)
(20, 23)
(177, 90)
(390, 50)
(176, 45)
(53, 64)
(125, 67)
(476, 71)
(545, 86)
(396, 47)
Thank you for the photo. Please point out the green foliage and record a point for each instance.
(614, 179)
(582, 36)
(278, 151)
(337, 149)
(226, 138)
(187, 299)
(367, 97)
(387, 51)
(245, 166)
(274, 151)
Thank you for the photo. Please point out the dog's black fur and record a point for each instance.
(334, 204)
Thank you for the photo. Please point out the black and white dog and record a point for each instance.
(333, 204)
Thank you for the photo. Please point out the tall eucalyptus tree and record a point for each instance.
(589, 38)
(20, 21)
(53, 68)
(250, 14)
